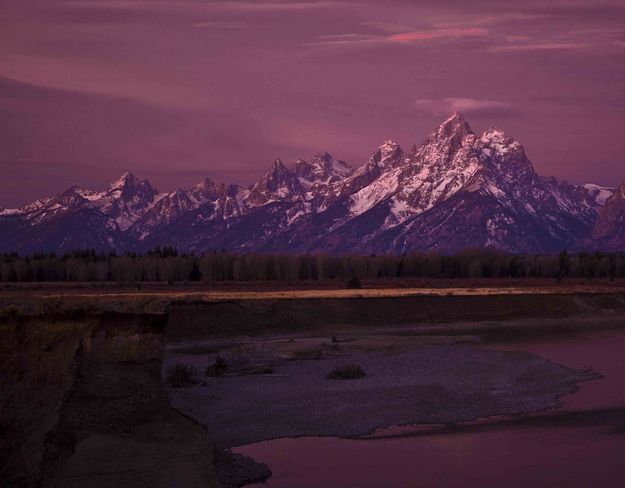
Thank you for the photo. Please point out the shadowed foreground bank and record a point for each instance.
(83, 404)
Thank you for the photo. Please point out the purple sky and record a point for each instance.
(179, 90)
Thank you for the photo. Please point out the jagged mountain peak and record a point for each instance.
(322, 156)
(329, 162)
(300, 181)
(277, 172)
(279, 183)
(454, 125)
(129, 187)
(388, 154)
(496, 142)
(449, 138)
(71, 196)
(504, 155)
(455, 190)
(278, 165)
(389, 145)
(205, 187)
(322, 170)
(126, 178)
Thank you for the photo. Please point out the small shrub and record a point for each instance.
(243, 359)
(181, 375)
(218, 368)
(346, 372)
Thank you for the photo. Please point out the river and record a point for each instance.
(580, 444)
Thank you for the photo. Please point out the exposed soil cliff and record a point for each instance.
(82, 402)
(83, 405)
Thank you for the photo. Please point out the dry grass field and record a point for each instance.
(155, 297)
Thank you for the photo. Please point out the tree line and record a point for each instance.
(168, 265)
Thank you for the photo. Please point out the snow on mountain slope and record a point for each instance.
(126, 200)
(406, 199)
(172, 206)
(455, 190)
(321, 171)
(278, 184)
(5, 212)
(599, 194)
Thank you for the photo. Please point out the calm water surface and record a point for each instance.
(588, 450)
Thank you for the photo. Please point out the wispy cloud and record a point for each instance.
(549, 29)
(413, 36)
(539, 46)
(242, 6)
(278, 6)
(572, 39)
(492, 19)
(222, 24)
(113, 79)
(388, 26)
(473, 106)
(427, 35)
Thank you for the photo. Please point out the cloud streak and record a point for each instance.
(469, 106)
(154, 85)
(222, 24)
(113, 79)
(540, 46)
(235, 6)
(408, 37)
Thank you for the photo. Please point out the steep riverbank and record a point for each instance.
(83, 401)
(83, 405)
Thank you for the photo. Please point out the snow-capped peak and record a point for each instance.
(456, 190)
(279, 183)
(496, 143)
(322, 170)
(388, 154)
(455, 124)
(454, 118)
(126, 178)
(388, 148)
(330, 164)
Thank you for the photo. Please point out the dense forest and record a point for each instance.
(168, 265)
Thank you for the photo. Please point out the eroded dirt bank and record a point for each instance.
(82, 401)
(83, 405)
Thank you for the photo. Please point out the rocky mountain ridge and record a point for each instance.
(456, 190)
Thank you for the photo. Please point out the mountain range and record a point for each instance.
(456, 190)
